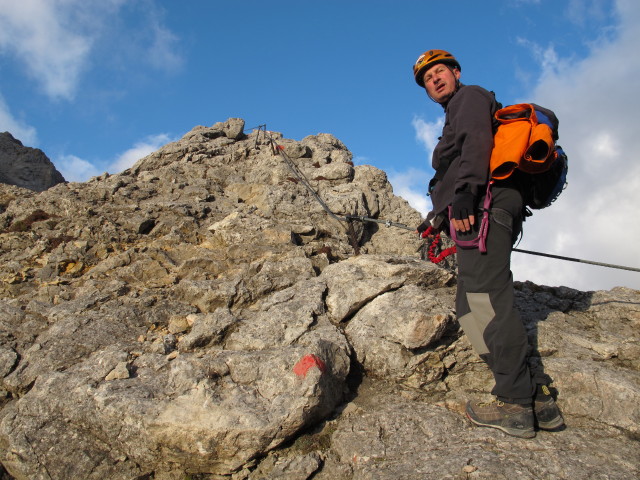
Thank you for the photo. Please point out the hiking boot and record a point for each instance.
(512, 418)
(546, 412)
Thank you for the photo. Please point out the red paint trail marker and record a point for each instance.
(306, 362)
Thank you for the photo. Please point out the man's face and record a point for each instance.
(440, 82)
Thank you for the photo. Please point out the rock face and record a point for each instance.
(202, 315)
(26, 167)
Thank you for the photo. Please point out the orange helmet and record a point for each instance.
(430, 58)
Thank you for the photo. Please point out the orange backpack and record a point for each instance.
(525, 140)
(525, 149)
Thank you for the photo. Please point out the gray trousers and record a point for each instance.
(484, 302)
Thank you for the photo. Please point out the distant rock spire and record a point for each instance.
(26, 167)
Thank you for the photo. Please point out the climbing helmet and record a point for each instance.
(430, 58)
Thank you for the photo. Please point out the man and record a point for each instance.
(485, 298)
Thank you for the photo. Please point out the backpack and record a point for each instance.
(542, 189)
(525, 150)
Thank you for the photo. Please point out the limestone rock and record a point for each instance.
(404, 438)
(26, 167)
(389, 332)
(201, 314)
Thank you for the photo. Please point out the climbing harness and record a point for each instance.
(479, 242)
(429, 232)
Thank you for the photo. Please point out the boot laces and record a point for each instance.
(498, 403)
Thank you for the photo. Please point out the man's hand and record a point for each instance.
(464, 225)
(463, 209)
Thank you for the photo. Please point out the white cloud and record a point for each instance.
(546, 57)
(580, 11)
(162, 53)
(427, 133)
(54, 39)
(596, 218)
(75, 169)
(20, 130)
(411, 185)
(37, 32)
(138, 151)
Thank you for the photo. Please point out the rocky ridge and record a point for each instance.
(200, 315)
(26, 167)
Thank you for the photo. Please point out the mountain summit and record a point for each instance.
(244, 306)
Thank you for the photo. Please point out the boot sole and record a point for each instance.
(514, 432)
(551, 424)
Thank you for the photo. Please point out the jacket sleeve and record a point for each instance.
(471, 113)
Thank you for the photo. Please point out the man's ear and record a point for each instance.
(456, 73)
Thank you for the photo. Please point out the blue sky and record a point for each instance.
(99, 84)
